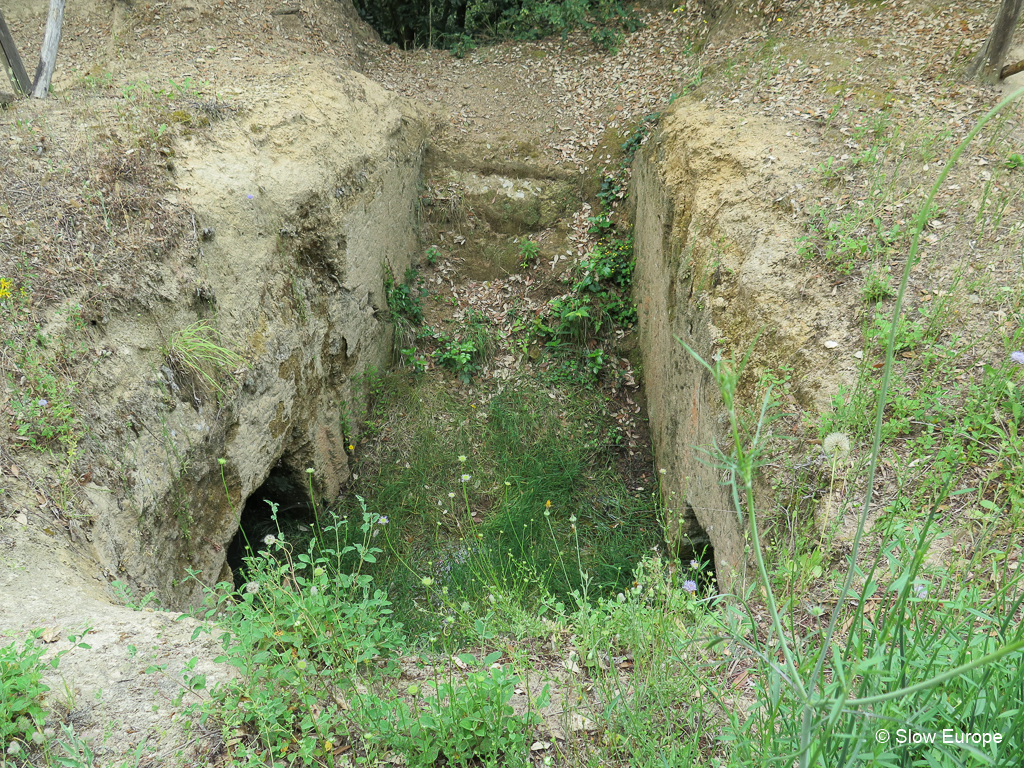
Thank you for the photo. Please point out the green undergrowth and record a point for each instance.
(518, 493)
(461, 26)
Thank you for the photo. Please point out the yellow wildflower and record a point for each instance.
(5, 288)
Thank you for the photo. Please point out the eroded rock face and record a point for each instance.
(717, 269)
(516, 206)
(302, 203)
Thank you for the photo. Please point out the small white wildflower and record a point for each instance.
(252, 587)
(270, 539)
(314, 591)
(836, 446)
(450, 496)
(695, 564)
(462, 459)
(662, 471)
(465, 478)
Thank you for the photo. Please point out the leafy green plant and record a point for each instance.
(43, 406)
(124, 593)
(876, 287)
(460, 357)
(464, 354)
(405, 299)
(528, 252)
(21, 688)
(462, 721)
(195, 351)
(304, 624)
(1014, 161)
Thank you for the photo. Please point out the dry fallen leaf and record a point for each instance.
(50, 635)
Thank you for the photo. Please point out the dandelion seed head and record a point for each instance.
(252, 587)
(270, 539)
(836, 445)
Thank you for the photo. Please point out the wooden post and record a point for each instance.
(48, 54)
(12, 61)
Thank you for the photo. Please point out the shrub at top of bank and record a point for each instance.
(459, 24)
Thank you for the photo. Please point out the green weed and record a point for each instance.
(405, 299)
(464, 722)
(21, 688)
(195, 352)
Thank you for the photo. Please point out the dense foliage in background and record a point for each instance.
(457, 24)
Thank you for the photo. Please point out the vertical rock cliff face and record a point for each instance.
(717, 269)
(302, 203)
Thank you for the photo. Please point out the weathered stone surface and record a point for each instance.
(717, 269)
(516, 206)
(306, 202)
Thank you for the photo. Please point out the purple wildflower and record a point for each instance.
(690, 586)
(1017, 357)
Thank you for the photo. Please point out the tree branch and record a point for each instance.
(1011, 69)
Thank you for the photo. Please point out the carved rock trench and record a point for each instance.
(302, 206)
(717, 269)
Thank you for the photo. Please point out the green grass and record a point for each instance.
(539, 479)
(196, 352)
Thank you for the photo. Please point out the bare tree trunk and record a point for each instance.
(12, 61)
(48, 53)
(989, 61)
